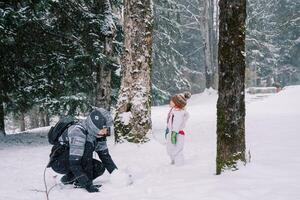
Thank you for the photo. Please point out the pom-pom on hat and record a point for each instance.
(180, 100)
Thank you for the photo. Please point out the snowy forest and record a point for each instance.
(60, 57)
(236, 64)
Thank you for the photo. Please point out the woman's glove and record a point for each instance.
(92, 188)
(174, 137)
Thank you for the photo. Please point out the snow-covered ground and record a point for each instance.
(272, 136)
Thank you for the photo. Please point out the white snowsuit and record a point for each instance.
(176, 122)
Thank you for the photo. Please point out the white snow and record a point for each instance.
(272, 136)
(125, 117)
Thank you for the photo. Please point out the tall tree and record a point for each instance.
(231, 102)
(206, 27)
(272, 42)
(133, 117)
(56, 70)
(104, 69)
(2, 127)
(168, 61)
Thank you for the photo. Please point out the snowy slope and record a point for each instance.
(272, 131)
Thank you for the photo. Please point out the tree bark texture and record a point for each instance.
(34, 117)
(103, 87)
(22, 122)
(2, 117)
(206, 27)
(214, 40)
(133, 117)
(231, 103)
(42, 115)
(47, 119)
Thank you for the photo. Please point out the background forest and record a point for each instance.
(61, 57)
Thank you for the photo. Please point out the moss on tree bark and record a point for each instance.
(231, 103)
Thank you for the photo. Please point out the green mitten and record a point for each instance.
(174, 137)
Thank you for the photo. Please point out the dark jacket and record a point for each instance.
(79, 142)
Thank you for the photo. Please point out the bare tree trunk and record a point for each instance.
(2, 117)
(103, 88)
(42, 117)
(34, 117)
(214, 43)
(205, 26)
(133, 117)
(103, 96)
(47, 119)
(211, 32)
(231, 102)
(22, 121)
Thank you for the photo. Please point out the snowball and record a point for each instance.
(120, 179)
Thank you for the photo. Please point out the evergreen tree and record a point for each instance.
(272, 45)
(51, 52)
(14, 65)
(168, 61)
(178, 48)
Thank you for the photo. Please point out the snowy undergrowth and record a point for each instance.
(272, 136)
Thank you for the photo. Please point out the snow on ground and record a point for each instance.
(272, 136)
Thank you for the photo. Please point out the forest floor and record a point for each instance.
(272, 137)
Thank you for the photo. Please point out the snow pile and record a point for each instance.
(120, 178)
(125, 117)
(272, 136)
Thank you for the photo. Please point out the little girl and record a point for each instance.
(176, 120)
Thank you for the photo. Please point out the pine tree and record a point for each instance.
(272, 45)
(133, 116)
(231, 103)
(262, 53)
(55, 71)
(14, 65)
(168, 61)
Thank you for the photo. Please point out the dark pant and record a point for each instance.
(91, 167)
(62, 167)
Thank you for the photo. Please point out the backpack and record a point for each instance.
(56, 131)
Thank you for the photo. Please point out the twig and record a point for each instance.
(45, 183)
(36, 190)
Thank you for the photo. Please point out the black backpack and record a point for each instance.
(56, 131)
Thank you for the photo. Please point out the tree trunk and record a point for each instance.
(133, 117)
(42, 118)
(211, 32)
(103, 93)
(34, 117)
(103, 87)
(206, 35)
(2, 117)
(214, 41)
(22, 122)
(231, 103)
(47, 119)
